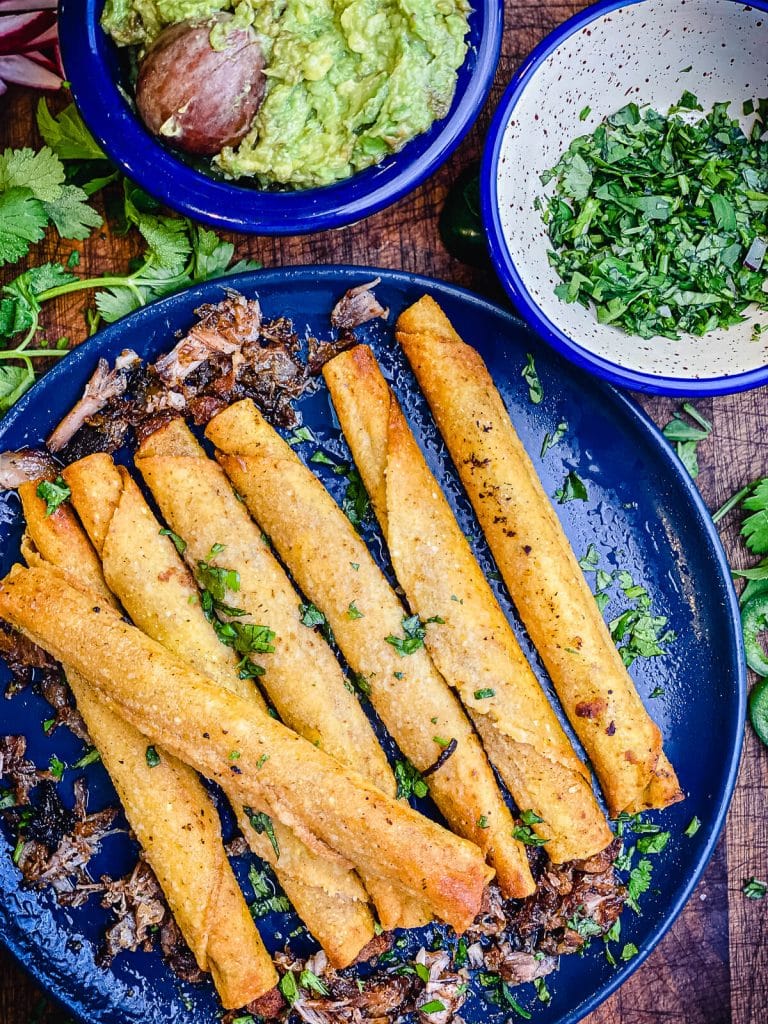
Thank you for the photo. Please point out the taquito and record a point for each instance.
(538, 564)
(472, 645)
(301, 675)
(166, 805)
(333, 567)
(144, 570)
(255, 758)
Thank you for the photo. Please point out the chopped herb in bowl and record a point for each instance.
(660, 222)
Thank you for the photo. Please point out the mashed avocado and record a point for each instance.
(348, 81)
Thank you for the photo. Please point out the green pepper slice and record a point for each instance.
(754, 621)
(758, 709)
(460, 224)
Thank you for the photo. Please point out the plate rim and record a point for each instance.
(346, 274)
(504, 265)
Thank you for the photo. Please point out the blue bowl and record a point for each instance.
(648, 51)
(94, 69)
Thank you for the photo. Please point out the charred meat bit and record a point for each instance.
(138, 905)
(16, 772)
(60, 843)
(104, 385)
(358, 306)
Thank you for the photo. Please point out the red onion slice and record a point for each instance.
(22, 71)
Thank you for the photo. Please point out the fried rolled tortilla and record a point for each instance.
(256, 759)
(143, 568)
(473, 646)
(332, 566)
(538, 565)
(166, 805)
(301, 675)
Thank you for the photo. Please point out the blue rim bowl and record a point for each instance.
(682, 385)
(93, 68)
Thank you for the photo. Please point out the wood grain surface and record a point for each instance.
(712, 967)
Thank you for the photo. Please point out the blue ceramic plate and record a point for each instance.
(101, 91)
(643, 514)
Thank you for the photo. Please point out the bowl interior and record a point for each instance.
(648, 52)
(91, 57)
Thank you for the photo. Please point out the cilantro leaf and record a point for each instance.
(261, 823)
(71, 215)
(754, 529)
(531, 377)
(41, 172)
(573, 489)
(66, 134)
(409, 781)
(14, 381)
(53, 494)
(22, 221)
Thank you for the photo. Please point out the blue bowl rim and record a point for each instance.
(342, 272)
(651, 383)
(227, 205)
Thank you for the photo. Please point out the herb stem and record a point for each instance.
(735, 500)
(34, 353)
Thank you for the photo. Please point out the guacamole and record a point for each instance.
(348, 81)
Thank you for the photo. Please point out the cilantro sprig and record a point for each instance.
(52, 187)
(659, 223)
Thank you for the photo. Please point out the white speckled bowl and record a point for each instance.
(611, 53)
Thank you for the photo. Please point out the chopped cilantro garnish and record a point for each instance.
(267, 901)
(542, 992)
(433, 1006)
(90, 756)
(312, 617)
(525, 834)
(693, 827)
(53, 494)
(299, 435)
(583, 925)
(152, 757)
(353, 612)
(630, 950)
(56, 767)
(262, 823)
(531, 378)
(653, 843)
(652, 219)
(289, 988)
(409, 781)
(573, 489)
(422, 971)
(482, 821)
(461, 956)
(322, 458)
(550, 440)
(754, 889)
(484, 693)
(310, 981)
(639, 882)
(179, 543)
(414, 632)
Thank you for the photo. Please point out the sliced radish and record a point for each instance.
(18, 6)
(23, 71)
(42, 60)
(51, 35)
(18, 29)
